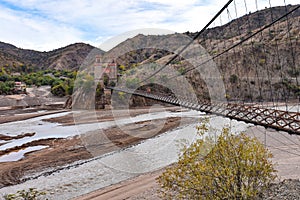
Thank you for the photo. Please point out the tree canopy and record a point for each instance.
(230, 167)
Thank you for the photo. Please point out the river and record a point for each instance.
(85, 176)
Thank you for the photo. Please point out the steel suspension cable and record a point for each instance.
(241, 42)
(291, 48)
(266, 61)
(252, 60)
(187, 45)
(278, 57)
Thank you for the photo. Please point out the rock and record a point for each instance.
(288, 189)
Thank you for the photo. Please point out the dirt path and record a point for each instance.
(285, 149)
(143, 185)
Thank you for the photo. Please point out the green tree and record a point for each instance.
(70, 87)
(99, 91)
(56, 81)
(3, 77)
(105, 79)
(4, 88)
(112, 84)
(233, 167)
(59, 90)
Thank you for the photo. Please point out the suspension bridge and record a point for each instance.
(269, 46)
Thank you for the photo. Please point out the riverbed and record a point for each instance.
(85, 176)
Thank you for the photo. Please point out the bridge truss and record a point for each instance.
(267, 117)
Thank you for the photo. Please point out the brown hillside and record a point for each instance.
(69, 57)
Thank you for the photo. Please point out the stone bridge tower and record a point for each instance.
(104, 70)
(105, 74)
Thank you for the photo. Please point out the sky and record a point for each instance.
(45, 25)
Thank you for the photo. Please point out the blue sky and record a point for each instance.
(49, 24)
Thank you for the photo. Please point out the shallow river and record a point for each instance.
(84, 177)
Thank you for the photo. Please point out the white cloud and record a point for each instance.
(48, 24)
(34, 33)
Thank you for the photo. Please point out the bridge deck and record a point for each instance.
(267, 117)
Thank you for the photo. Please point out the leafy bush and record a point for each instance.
(262, 61)
(3, 77)
(31, 194)
(121, 95)
(105, 79)
(233, 78)
(164, 78)
(235, 167)
(99, 91)
(181, 70)
(59, 90)
(6, 87)
(132, 82)
(122, 67)
(112, 84)
(70, 86)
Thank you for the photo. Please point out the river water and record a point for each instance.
(83, 177)
(18, 155)
(45, 130)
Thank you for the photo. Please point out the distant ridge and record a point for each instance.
(69, 57)
(72, 56)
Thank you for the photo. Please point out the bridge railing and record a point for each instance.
(267, 117)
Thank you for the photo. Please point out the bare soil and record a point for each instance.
(12, 115)
(103, 115)
(60, 152)
(7, 137)
(141, 187)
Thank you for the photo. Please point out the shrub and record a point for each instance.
(6, 87)
(59, 90)
(181, 70)
(3, 77)
(235, 167)
(31, 194)
(132, 82)
(262, 61)
(233, 78)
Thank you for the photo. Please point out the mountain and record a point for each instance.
(265, 67)
(69, 57)
(72, 56)
(249, 22)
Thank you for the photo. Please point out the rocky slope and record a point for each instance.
(262, 68)
(69, 57)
